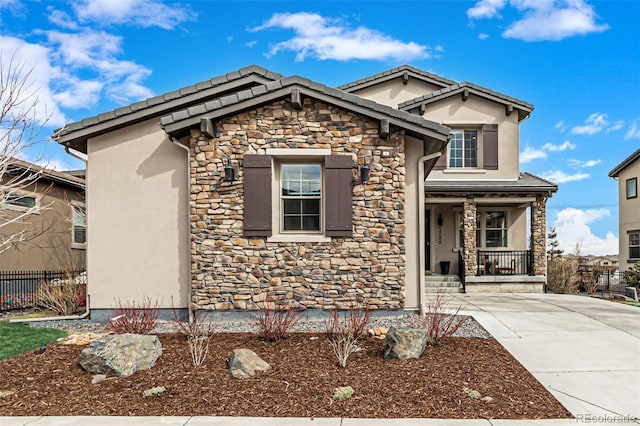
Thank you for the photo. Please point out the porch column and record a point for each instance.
(469, 245)
(539, 236)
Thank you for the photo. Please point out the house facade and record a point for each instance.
(627, 173)
(477, 201)
(54, 236)
(253, 188)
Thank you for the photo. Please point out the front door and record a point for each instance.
(427, 240)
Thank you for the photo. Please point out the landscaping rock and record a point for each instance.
(405, 343)
(121, 354)
(244, 363)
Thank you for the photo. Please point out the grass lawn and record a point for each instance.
(19, 338)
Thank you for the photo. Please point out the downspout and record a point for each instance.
(421, 228)
(188, 150)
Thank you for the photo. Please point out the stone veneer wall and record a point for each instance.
(539, 236)
(469, 245)
(230, 271)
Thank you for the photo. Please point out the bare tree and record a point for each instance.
(22, 121)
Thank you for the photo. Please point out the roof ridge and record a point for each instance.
(372, 78)
(630, 159)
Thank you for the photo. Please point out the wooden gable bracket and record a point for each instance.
(509, 109)
(423, 108)
(405, 77)
(207, 128)
(384, 128)
(465, 94)
(296, 99)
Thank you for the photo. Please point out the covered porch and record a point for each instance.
(491, 234)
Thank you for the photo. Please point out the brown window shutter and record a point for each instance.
(490, 146)
(338, 178)
(441, 164)
(257, 195)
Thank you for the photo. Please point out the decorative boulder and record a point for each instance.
(121, 354)
(405, 343)
(244, 363)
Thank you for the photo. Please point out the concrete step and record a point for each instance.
(436, 290)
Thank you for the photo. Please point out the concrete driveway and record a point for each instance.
(585, 351)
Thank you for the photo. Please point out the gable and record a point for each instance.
(75, 135)
(395, 91)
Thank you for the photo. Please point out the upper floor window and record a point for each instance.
(301, 197)
(463, 149)
(632, 188)
(19, 200)
(79, 225)
(634, 245)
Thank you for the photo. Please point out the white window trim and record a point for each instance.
(479, 168)
(279, 155)
(74, 245)
(22, 193)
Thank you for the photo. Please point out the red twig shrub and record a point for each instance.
(354, 321)
(438, 322)
(137, 318)
(197, 332)
(275, 322)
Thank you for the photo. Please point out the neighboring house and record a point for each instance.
(627, 174)
(55, 234)
(252, 187)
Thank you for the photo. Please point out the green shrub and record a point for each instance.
(632, 276)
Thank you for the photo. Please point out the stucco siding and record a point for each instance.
(393, 92)
(629, 213)
(473, 113)
(137, 213)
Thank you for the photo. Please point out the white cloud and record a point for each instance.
(486, 9)
(61, 19)
(558, 176)
(34, 59)
(633, 132)
(549, 20)
(560, 125)
(549, 147)
(573, 226)
(529, 154)
(579, 163)
(595, 123)
(615, 126)
(229, 39)
(143, 13)
(483, 36)
(251, 43)
(94, 52)
(327, 38)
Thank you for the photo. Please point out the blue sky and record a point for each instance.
(577, 61)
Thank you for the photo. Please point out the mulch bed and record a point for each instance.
(300, 384)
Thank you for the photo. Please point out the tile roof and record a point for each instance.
(394, 73)
(457, 88)
(49, 174)
(75, 134)
(527, 183)
(623, 165)
(178, 122)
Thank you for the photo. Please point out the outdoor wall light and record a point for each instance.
(229, 172)
(364, 173)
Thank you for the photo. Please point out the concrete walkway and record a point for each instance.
(585, 351)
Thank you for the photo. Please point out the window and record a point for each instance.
(298, 195)
(301, 197)
(496, 229)
(463, 149)
(21, 201)
(491, 229)
(632, 188)
(79, 219)
(634, 245)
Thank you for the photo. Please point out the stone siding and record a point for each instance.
(539, 236)
(230, 271)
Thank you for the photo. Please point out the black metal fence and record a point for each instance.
(608, 282)
(504, 262)
(19, 289)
